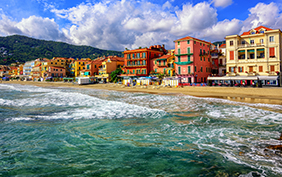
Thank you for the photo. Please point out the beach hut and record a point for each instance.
(171, 81)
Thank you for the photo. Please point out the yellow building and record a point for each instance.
(254, 53)
(170, 64)
(109, 65)
(20, 70)
(79, 65)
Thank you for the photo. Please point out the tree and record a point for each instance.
(114, 75)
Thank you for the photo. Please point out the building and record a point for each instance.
(163, 64)
(256, 52)
(192, 60)
(79, 65)
(222, 60)
(110, 64)
(56, 72)
(137, 61)
(27, 68)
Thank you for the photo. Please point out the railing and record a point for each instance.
(183, 54)
(250, 45)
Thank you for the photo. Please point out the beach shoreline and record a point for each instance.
(266, 95)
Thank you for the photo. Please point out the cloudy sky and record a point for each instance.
(120, 24)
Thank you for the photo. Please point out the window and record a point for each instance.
(164, 70)
(189, 57)
(201, 69)
(133, 56)
(201, 58)
(179, 70)
(271, 52)
(194, 42)
(261, 41)
(95, 66)
(231, 43)
(204, 59)
(260, 68)
(189, 69)
(200, 51)
(271, 38)
(144, 55)
(144, 62)
(178, 58)
(127, 71)
(178, 43)
(156, 70)
(252, 41)
(188, 42)
(144, 71)
(61, 70)
(262, 31)
(251, 68)
(200, 43)
(87, 66)
(56, 69)
(253, 32)
(138, 62)
(178, 51)
(195, 68)
(272, 68)
(231, 53)
(138, 55)
(134, 71)
(240, 69)
(188, 50)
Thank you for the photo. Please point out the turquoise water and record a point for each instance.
(71, 132)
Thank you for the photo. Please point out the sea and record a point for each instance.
(47, 131)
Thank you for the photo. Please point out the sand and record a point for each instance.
(269, 95)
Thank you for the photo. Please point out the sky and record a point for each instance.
(120, 24)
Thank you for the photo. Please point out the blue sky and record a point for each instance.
(117, 25)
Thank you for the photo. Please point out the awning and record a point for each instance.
(268, 77)
(161, 59)
(241, 51)
(251, 50)
(183, 63)
(260, 49)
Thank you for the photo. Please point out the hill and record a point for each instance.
(18, 48)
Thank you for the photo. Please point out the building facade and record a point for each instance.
(192, 60)
(254, 53)
(137, 62)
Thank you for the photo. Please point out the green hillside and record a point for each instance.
(18, 48)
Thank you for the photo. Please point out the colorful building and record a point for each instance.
(163, 64)
(79, 65)
(27, 68)
(222, 60)
(110, 64)
(256, 52)
(137, 62)
(192, 59)
(56, 72)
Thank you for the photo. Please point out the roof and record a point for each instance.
(256, 30)
(162, 57)
(56, 67)
(115, 58)
(222, 46)
(189, 37)
(39, 64)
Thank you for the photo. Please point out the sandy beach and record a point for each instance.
(269, 95)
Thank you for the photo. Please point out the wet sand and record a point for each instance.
(268, 95)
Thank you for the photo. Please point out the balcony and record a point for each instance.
(250, 45)
(184, 63)
(183, 54)
(130, 66)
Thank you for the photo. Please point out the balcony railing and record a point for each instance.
(136, 66)
(250, 45)
(183, 54)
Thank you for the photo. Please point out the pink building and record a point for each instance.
(192, 60)
(56, 71)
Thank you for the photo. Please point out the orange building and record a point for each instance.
(137, 62)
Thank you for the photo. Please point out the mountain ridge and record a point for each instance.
(18, 48)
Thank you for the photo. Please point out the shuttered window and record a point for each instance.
(271, 52)
(231, 55)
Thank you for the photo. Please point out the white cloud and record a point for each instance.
(221, 29)
(194, 18)
(222, 3)
(262, 14)
(38, 27)
(123, 24)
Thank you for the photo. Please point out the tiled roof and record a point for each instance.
(57, 67)
(257, 30)
(189, 37)
(163, 57)
(222, 46)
